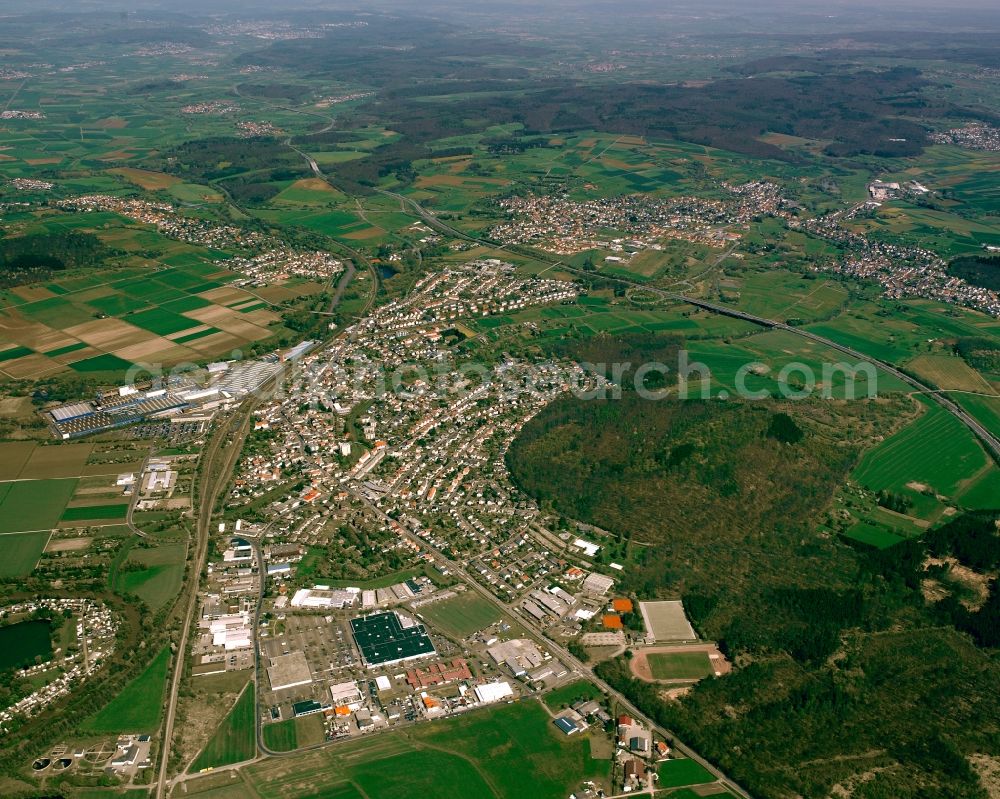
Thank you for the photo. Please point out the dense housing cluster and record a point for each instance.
(901, 270)
(562, 225)
(95, 629)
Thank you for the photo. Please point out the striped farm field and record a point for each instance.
(933, 454)
(32, 505)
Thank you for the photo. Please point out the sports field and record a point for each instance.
(680, 665)
(461, 616)
(684, 663)
(139, 706)
(235, 740)
(667, 621)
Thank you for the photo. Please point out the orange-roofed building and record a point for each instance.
(622, 605)
(430, 701)
(612, 621)
(342, 710)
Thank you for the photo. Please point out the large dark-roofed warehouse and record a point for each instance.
(384, 639)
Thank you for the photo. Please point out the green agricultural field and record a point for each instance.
(933, 454)
(21, 552)
(680, 665)
(461, 616)
(110, 793)
(758, 361)
(11, 353)
(570, 693)
(985, 409)
(160, 578)
(139, 706)
(111, 316)
(783, 295)
(280, 736)
(508, 752)
(235, 739)
(28, 505)
(949, 373)
(101, 363)
(114, 511)
(873, 535)
(675, 773)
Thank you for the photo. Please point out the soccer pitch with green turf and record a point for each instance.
(680, 665)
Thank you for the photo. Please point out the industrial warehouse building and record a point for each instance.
(493, 692)
(387, 638)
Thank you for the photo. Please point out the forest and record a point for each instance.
(844, 667)
(872, 111)
(980, 270)
(26, 259)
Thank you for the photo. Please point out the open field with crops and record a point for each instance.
(138, 707)
(104, 323)
(461, 616)
(235, 739)
(933, 455)
(157, 573)
(508, 751)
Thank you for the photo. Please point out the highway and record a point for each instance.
(237, 426)
(985, 436)
(988, 439)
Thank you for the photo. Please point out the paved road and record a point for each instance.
(985, 436)
(134, 501)
(562, 653)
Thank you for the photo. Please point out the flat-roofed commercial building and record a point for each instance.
(289, 671)
(387, 638)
